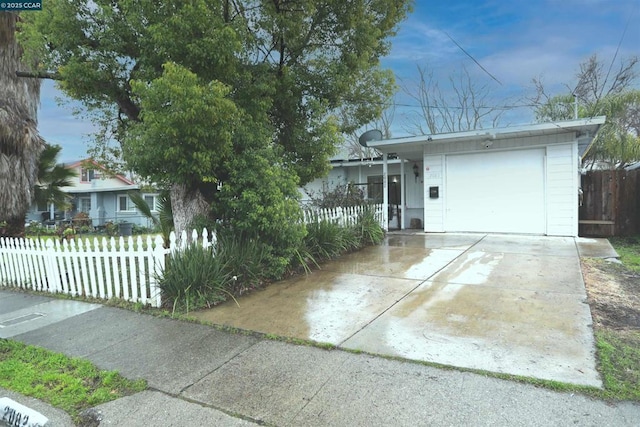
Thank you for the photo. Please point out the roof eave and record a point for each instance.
(415, 142)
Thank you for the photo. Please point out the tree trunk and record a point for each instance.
(187, 204)
(20, 143)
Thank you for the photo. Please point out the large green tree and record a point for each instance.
(600, 91)
(231, 103)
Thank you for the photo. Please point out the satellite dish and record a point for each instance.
(370, 135)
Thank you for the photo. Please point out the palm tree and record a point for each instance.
(163, 221)
(20, 143)
(52, 177)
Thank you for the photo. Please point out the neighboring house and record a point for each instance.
(99, 193)
(520, 179)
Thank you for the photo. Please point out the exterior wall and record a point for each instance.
(562, 190)
(561, 178)
(434, 207)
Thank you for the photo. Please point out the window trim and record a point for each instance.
(155, 196)
(130, 207)
(79, 207)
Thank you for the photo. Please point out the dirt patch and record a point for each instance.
(613, 294)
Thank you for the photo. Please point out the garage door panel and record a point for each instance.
(495, 192)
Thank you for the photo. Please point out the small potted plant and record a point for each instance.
(69, 233)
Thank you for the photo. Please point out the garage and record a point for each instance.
(519, 179)
(497, 191)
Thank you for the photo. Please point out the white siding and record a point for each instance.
(562, 190)
(433, 171)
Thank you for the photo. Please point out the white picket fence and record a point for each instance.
(116, 268)
(108, 268)
(344, 217)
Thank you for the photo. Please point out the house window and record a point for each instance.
(125, 204)
(84, 204)
(152, 201)
(87, 175)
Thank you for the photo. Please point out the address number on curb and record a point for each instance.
(13, 414)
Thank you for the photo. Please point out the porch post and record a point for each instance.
(402, 191)
(52, 211)
(385, 192)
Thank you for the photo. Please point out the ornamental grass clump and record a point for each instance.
(194, 278)
(368, 228)
(197, 277)
(327, 240)
(244, 258)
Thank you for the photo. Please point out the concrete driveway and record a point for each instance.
(501, 303)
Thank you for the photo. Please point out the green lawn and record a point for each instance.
(619, 363)
(629, 250)
(619, 348)
(72, 385)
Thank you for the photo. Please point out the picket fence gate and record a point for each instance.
(126, 269)
(120, 268)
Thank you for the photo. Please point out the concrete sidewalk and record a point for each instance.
(198, 375)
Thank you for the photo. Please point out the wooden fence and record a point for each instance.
(610, 204)
(107, 268)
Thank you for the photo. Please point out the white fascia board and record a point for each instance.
(74, 190)
(414, 142)
(352, 163)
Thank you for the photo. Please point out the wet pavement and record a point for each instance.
(502, 303)
(205, 376)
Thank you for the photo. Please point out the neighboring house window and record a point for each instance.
(87, 175)
(84, 204)
(152, 201)
(125, 204)
(42, 206)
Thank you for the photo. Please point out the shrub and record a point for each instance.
(111, 228)
(194, 278)
(81, 219)
(339, 196)
(140, 229)
(35, 228)
(85, 229)
(260, 198)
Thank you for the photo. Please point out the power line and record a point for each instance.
(455, 107)
(472, 58)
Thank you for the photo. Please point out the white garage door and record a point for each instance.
(496, 191)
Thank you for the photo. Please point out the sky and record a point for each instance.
(514, 41)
